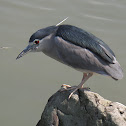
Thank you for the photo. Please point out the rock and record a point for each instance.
(84, 108)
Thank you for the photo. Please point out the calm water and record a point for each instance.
(27, 83)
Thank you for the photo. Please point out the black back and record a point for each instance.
(87, 40)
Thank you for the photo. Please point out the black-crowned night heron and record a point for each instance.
(76, 48)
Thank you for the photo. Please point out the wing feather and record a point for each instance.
(87, 40)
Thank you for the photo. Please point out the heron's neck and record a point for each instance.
(47, 44)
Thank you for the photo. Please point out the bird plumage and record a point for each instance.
(86, 40)
(41, 33)
(97, 56)
(77, 48)
(85, 60)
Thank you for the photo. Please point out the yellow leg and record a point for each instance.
(84, 79)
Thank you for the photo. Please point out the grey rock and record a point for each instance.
(84, 108)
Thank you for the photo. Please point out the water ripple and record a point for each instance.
(32, 6)
(97, 17)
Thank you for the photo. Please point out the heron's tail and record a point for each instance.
(115, 71)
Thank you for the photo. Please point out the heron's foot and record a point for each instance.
(78, 87)
(65, 87)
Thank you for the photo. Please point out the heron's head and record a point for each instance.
(36, 40)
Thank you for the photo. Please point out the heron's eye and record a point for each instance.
(36, 42)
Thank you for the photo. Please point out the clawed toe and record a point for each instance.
(85, 88)
(65, 87)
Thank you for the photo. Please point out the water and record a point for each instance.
(27, 83)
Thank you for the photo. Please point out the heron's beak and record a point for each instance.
(25, 51)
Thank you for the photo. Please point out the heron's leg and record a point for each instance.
(68, 87)
(84, 79)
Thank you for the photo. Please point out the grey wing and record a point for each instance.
(86, 40)
(85, 60)
(77, 57)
